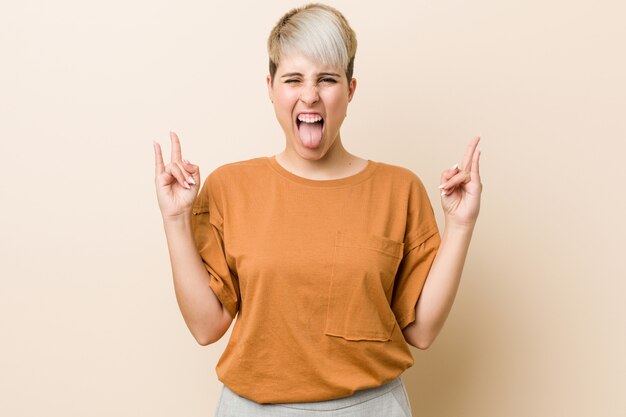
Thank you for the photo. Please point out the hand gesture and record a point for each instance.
(177, 183)
(460, 196)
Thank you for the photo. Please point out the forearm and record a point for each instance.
(440, 288)
(198, 303)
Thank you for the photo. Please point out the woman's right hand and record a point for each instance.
(177, 183)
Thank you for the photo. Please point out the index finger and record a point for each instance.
(176, 152)
(159, 166)
(467, 159)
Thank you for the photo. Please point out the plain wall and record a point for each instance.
(89, 323)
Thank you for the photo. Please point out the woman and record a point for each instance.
(322, 255)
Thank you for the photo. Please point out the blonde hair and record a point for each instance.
(319, 32)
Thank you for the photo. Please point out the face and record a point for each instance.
(303, 86)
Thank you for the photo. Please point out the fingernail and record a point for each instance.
(186, 161)
(442, 185)
(455, 166)
(191, 180)
(443, 193)
(187, 185)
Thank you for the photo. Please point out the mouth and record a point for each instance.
(310, 130)
(299, 122)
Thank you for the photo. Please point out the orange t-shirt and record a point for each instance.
(323, 274)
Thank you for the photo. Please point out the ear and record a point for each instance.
(352, 87)
(268, 79)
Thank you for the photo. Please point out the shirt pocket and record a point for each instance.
(363, 272)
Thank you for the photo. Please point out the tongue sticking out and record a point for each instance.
(310, 134)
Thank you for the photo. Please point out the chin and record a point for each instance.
(309, 154)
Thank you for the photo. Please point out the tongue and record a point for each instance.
(310, 134)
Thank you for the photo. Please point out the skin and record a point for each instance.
(460, 200)
(202, 311)
(311, 91)
(178, 182)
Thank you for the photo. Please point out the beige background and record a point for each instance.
(89, 323)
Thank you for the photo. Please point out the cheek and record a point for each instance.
(335, 102)
(337, 108)
(286, 103)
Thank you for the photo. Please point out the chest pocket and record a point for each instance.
(361, 283)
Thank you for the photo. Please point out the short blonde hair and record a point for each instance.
(319, 32)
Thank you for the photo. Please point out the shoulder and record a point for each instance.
(226, 175)
(236, 172)
(399, 175)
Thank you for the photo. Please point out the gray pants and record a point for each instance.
(388, 400)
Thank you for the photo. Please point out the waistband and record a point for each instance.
(356, 398)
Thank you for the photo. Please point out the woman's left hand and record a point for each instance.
(461, 188)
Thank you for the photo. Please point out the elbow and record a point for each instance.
(422, 344)
(205, 340)
(425, 339)
(201, 333)
(205, 337)
(215, 332)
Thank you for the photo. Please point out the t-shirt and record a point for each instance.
(322, 274)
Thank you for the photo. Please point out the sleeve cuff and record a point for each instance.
(227, 302)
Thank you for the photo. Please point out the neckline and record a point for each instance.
(337, 182)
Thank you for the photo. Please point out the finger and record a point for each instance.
(193, 170)
(177, 159)
(158, 159)
(461, 177)
(467, 159)
(445, 177)
(178, 174)
(176, 151)
(186, 174)
(448, 191)
(475, 170)
(447, 174)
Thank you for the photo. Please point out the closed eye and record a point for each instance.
(331, 80)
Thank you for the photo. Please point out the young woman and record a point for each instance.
(332, 263)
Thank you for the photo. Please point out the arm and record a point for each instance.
(440, 288)
(204, 315)
(177, 185)
(461, 190)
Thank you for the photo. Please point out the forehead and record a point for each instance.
(297, 62)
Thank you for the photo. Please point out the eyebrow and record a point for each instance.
(290, 74)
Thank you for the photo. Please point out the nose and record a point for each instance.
(309, 94)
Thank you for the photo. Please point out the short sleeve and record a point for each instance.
(207, 229)
(421, 244)
(410, 278)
